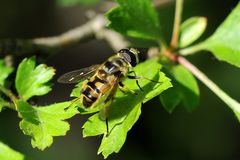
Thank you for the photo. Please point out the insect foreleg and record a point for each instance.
(136, 80)
(105, 110)
(140, 77)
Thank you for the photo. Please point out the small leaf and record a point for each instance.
(7, 153)
(76, 2)
(191, 30)
(4, 72)
(125, 103)
(135, 18)
(115, 141)
(33, 81)
(185, 89)
(224, 43)
(42, 123)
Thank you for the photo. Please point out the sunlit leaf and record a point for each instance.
(224, 43)
(4, 72)
(76, 91)
(191, 30)
(135, 18)
(115, 141)
(31, 80)
(125, 103)
(45, 122)
(7, 153)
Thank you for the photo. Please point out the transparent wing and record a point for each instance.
(78, 75)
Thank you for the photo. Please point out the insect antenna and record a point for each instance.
(140, 77)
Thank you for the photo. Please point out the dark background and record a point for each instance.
(210, 132)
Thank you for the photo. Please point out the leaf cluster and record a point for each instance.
(42, 123)
(132, 18)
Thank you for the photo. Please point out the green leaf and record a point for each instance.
(1, 104)
(171, 98)
(33, 81)
(77, 90)
(115, 141)
(185, 89)
(120, 111)
(191, 30)
(7, 153)
(135, 18)
(4, 72)
(4, 103)
(43, 123)
(224, 43)
(76, 2)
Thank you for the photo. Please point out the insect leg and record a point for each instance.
(136, 80)
(104, 113)
(124, 89)
(105, 110)
(107, 127)
(140, 77)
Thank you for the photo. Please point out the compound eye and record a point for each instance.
(129, 56)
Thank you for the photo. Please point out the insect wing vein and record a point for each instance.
(78, 75)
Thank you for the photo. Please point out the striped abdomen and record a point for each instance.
(103, 81)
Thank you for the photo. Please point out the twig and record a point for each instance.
(9, 94)
(210, 84)
(73, 36)
(8, 105)
(192, 49)
(49, 45)
(233, 104)
(177, 22)
(114, 39)
(52, 44)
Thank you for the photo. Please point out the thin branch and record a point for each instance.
(7, 105)
(49, 45)
(52, 44)
(73, 36)
(9, 94)
(210, 84)
(177, 22)
(192, 49)
(114, 39)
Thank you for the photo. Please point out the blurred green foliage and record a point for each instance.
(76, 2)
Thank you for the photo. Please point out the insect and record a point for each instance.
(102, 80)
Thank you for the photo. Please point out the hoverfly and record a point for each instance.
(102, 80)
